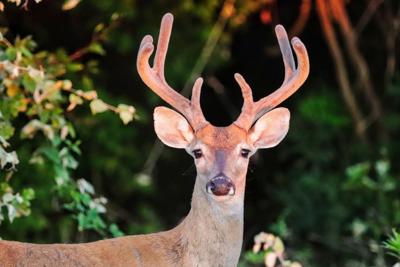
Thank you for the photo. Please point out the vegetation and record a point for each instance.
(76, 165)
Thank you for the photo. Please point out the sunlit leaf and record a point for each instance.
(13, 90)
(8, 159)
(270, 259)
(98, 106)
(278, 246)
(382, 167)
(35, 74)
(67, 85)
(126, 113)
(84, 186)
(88, 95)
(74, 101)
(32, 127)
(70, 4)
(12, 212)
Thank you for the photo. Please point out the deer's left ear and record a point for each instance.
(270, 129)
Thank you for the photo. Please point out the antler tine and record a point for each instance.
(162, 44)
(294, 78)
(291, 83)
(245, 118)
(286, 51)
(199, 121)
(153, 77)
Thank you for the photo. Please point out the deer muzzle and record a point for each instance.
(221, 185)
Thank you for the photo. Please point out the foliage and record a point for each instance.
(392, 245)
(35, 91)
(269, 250)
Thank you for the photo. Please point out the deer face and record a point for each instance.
(221, 154)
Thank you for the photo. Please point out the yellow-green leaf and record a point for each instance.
(278, 246)
(126, 113)
(97, 49)
(74, 101)
(98, 106)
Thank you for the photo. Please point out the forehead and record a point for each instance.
(222, 137)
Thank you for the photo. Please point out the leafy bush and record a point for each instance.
(34, 90)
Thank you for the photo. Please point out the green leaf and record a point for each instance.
(254, 258)
(382, 167)
(11, 53)
(97, 48)
(26, 52)
(29, 83)
(6, 130)
(28, 193)
(392, 245)
(51, 153)
(115, 231)
(75, 67)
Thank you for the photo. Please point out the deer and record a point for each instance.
(212, 232)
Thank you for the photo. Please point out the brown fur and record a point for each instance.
(221, 137)
(205, 238)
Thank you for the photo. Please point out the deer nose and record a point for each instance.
(220, 185)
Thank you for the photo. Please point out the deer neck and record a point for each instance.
(213, 231)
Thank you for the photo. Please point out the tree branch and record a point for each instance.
(341, 70)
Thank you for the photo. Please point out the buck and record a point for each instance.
(212, 232)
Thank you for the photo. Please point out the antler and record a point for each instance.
(294, 78)
(154, 77)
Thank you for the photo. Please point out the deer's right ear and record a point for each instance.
(172, 128)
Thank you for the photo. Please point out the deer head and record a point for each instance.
(221, 154)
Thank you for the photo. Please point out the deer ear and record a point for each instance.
(172, 128)
(270, 129)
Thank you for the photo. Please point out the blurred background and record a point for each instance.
(80, 160)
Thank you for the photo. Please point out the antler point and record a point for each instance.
(147, 47)
(168, 17)
(297, 43)
(280, 30)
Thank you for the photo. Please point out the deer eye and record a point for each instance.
(245, 153)
(197, 153)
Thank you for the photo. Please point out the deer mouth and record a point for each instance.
(221, 186)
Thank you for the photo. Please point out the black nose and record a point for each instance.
(220, 185)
